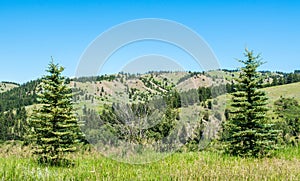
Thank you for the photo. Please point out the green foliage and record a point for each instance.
(288, 111)
(136, 122)
(178, 166)
(18, 97)
(173, 99)
(196, 138)
(55, 130)
(94, 78)
(204, 93)
(248, 131)
(14, 125)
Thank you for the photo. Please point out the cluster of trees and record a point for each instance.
(133, 122)
(122, 121)
(14, 124)
(13, 116)
(288, 112)
(93, 78)
(284, 78)
(202, 95)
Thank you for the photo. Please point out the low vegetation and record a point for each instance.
(17, 164)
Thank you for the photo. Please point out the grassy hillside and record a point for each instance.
(113, 88)
(274, 92)
(288, 90)
(5, 86)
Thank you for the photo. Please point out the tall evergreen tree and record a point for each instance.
(55, 129)
(248, 132)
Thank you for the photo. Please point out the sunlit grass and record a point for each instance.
(288, 90)
(19, 165)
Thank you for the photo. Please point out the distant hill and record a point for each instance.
(16, 96)
(106, 89)
(5, 86)
(193, 94)
(287, 90)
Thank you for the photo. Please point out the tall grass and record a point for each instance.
(18, 165)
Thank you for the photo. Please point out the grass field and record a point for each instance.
(288, 90)
(16, 164)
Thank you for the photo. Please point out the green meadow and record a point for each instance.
(17, 164)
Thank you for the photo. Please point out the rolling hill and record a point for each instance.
(288, 90)
(109, 101)
(5, 86)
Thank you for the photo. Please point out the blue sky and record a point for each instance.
(32, 31)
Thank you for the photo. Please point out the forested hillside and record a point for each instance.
(13, 115)
(19, 96)
(192, 88)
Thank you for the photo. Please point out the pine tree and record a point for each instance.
(248, 132)
(55, 129)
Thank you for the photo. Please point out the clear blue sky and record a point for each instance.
(31, 31)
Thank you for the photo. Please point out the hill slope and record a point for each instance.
(6, 86)
(288, 90)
